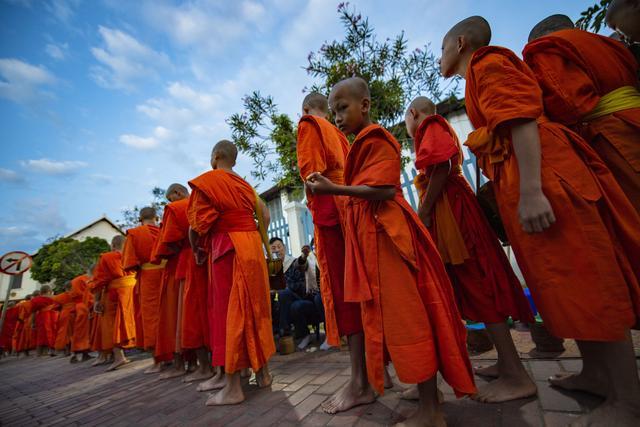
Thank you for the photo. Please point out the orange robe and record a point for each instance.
(575, 69)
(483, 281)
(583, 270)
(81, 297)
(46, 321)
(221, 210)
(24, 328)
(136, 256)
(8, 329)
(323, 148)
(118, 323)
(394, 270)
(65, 326)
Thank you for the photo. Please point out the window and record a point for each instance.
(15, 282)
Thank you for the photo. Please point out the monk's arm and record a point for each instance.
(266, 215)
(534, 209)
(321, 185)
(437, 181)
(198, 252)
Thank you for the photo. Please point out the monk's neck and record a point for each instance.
(463, 64)
(365, 123)
(226, 168)
(149, 223)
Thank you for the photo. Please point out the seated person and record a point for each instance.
(300, 303)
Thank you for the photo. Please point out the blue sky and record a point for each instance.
(102, 100)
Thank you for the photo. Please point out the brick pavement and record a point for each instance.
(51, 391)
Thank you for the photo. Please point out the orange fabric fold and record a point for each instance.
(583, 270)
(391, 262)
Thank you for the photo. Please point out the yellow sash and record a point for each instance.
(623, 98)
(149, 266)
(123, 282)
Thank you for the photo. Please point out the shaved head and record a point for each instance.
(475, 30)
(350, 102)
(45, 289)
(148, 213)
(117, 243)
(316, 102)
(176, 192)
(356, 87)
(551, 24)
(422, 104)
(226, 151)
(35, 293)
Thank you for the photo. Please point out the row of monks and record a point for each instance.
(557, 134)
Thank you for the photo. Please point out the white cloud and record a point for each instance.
(8, 175)
(62, 10)
(139, 142)
(252, 11)
(124, 60)
(21, 82)
(57, 51)
(54, 167)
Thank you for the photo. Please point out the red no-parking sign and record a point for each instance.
(16, 262)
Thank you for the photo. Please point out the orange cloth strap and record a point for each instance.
(150, 266)
(123, 282)
(234, 220)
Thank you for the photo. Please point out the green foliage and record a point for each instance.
(395, 74)
(262, 132)
(131, 216)
(62, 259)
(593, 18)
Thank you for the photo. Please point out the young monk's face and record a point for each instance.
(348, 110)
(450, 56)
(411, 123)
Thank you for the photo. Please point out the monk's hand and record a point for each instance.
(535, 212)
(318, 184)
(200, 255)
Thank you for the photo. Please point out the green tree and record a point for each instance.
(395, 75)
(593, 18)
(131, 216)
(62, 259)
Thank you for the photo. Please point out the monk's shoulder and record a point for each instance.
(375, 137)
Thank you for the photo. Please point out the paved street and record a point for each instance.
(51, 391)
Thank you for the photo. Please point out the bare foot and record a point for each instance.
(216, 382)
(504, 389)
(85, 357)
(412, 394)
(490, 371)
(198, 375)
(349, 397)
(388, 382)
(580, 382)
(611, 414)
(173, 373)
(424, 418)
(225, 397)
(73, 359)
(117, 363)
(264, 378)
(154, 369)
(101, 360)
(245, 373)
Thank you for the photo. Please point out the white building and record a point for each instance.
(24, 284)
(291, 220)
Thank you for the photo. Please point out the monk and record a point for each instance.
(64, 329)
(573, 231)
(486, 288)
(136, 258)
(8, 328)
(99, 297)
(172, 246)
(623, 16)
(22, 334)
(589, 83)
(392, 267)
(46, 320)
(323, 148)
(224, 234)
(118, 325)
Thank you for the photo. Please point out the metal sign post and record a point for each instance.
(13, 263)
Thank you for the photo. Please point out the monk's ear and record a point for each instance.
(305, 111)
(366, 105)
(461, 43)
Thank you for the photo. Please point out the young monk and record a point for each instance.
(484, 283)
(118, 324)
(136, 257)
(8, 328)
(224, 234)
(323, 148)
(392, 266)
(22, 334)
(46, 320)
(623, 16)
(589, 83)
(66, 319)
(83, 299)
(572, 229)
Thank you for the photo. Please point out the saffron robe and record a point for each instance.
(486, 288)
(221, 211)
(323, 148)
(64, 329)
(583, 270)
(394, 270)
(8, 329)
(136, 257)
(82, 298)
(46, 321)
(575, 69)
(118, 323)
(24, 330)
